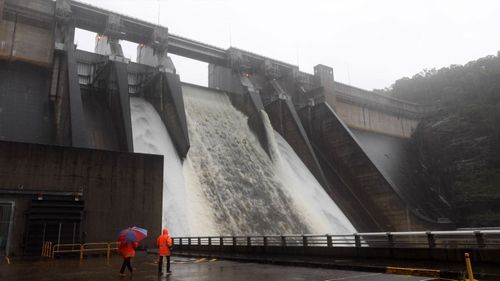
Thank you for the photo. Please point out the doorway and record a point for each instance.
(54, 219)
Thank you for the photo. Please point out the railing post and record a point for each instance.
(329, 241)
(283, 241)
(199, 241)
(209, 241)
(249, 241)
(479, 239)
(390, 239)
(81, 251)
(357, 240)
(265, 241)
(109, 250)
(234, 241)
(189, 241)
(221, 243)
(304, 241)
(430, 239)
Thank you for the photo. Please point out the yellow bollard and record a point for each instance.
(44, 249)
(469, 268)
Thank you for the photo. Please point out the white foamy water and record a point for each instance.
(150, 136)
(316, 207)
(228, 184)
(232, 171)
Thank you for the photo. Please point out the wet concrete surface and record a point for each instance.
(183, 269)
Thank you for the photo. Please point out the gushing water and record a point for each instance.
(315, 205)
(150, 136)
(228, 184)
(233, 171)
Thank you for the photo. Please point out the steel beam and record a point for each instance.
(78, 129)
(124, 104)
(196, 50)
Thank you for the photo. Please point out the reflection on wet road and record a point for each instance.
(184, 269)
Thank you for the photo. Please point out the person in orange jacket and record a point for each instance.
(164, 243)
(127, 251)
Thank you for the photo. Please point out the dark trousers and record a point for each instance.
(126, 262)
(160, 264)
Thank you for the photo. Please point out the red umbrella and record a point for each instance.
(132, 234)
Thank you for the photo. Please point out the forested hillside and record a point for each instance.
(457, 145)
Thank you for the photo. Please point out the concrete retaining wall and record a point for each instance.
(27, 43)
(119, 189)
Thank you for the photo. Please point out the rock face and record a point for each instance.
(458, 156)
(456, 146)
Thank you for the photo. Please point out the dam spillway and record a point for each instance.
(228, 184)
(267, 149)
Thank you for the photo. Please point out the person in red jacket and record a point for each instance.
(164, 243)
(127, 251)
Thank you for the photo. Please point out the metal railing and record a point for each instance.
(50, 250)
(489, 239)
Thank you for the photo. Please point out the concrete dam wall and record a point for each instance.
(261, 151)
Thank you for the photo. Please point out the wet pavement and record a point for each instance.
(183, 269)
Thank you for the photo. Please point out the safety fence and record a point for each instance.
(432, 239)
(449, 246)
(50, 250)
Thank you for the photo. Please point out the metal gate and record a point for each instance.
(53, 219)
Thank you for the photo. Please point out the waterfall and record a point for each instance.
(228, 184)
(151, 136)
(315, 205)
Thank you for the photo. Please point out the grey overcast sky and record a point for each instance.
(368, 43)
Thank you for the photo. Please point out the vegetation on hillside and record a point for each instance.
(457, 144)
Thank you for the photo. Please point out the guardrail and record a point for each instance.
(430, 239)
(50, 250)
(449, 246)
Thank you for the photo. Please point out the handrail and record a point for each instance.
(50, 250)
(419, 239)
(57, 248)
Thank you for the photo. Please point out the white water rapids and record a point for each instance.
(228, 184)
